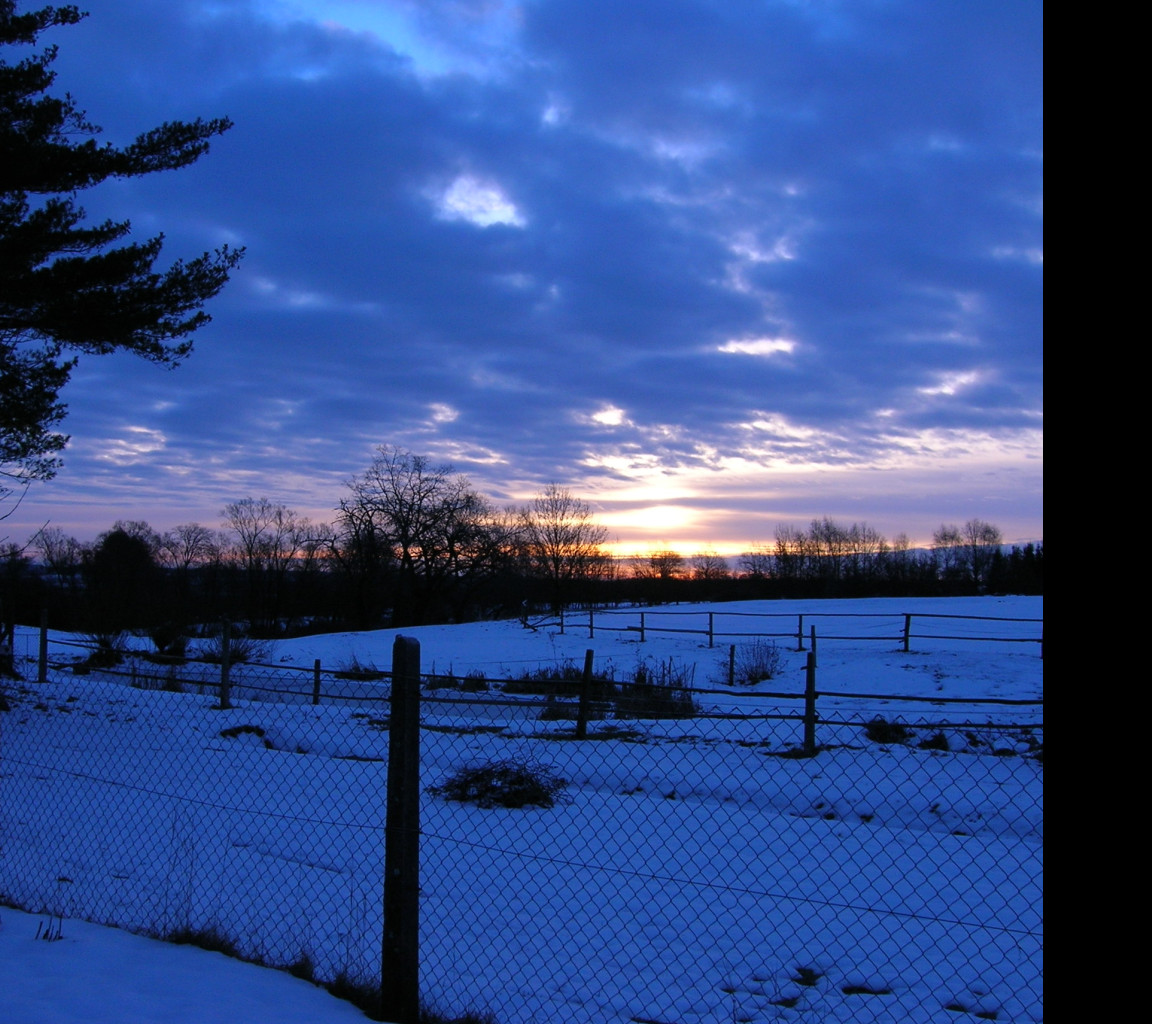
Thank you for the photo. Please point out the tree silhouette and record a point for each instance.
(68, 287)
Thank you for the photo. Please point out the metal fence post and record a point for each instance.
(316, 681)
(585, 696)
(641, 627)
(400, 954)
(732, 665)
(42, 665)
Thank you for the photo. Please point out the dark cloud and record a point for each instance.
(525, 242)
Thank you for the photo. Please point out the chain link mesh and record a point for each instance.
(683, 863)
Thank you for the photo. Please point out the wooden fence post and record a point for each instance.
(810, 705)
(225, 666)
(585, 696)
(710, 632)
(42, 665)
(400, 954)
(641, 627)
(800, 634)
(316, 681)
(732, 665)
(907, 631)
(591, 624)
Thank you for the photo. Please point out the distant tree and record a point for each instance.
(866, 547)
(948, 552)
(982, 542)
(757, 564)
(659, 564)
(268, 536)
(138, 529)
(187, 545)
(61, 553)
(428, 524)
(659, 572)
(68, 287)
(362, 555)
(562, 541)
(708, 565)
(122, 579)
(965, 553)
(20, 600)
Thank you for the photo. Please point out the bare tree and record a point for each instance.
(757, 563)
(981, 541)
(709, 565)
(61, 553)
(562, 541)
(435, 529)
(948, 552)
(187, 545)
(269, 535)
(659, 564)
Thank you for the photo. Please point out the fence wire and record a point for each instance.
(683, 863)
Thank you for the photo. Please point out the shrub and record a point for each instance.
(352, 668)
(563, 680)
(211, 938)
(241, 648)
(937, 741)
(754, 663)
(108, 649)
(506, 783)
(880, 730)
(548, 681)
(474, 682)
(170, 641)
(663, 691)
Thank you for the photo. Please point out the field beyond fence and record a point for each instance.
(593, 844)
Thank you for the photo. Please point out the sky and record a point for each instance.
(713, 266)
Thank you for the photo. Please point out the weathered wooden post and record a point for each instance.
(907, 631)
(810, 705)
(591, 624)
(641, 627)
(585, 697)
(800, 634)
(400, 956)
(42, 665)
(316, 681)
(732, 665)
(225, 666)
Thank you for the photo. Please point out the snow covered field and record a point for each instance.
(695, 872)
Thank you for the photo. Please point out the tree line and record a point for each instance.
(413, 542)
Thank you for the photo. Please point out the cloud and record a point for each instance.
(585, 241)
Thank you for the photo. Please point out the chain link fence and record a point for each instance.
(684, 862)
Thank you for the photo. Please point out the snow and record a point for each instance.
(96, 975)
(691, 875)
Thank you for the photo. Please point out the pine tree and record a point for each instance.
(69, 287)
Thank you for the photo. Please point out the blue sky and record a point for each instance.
(715, 266)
